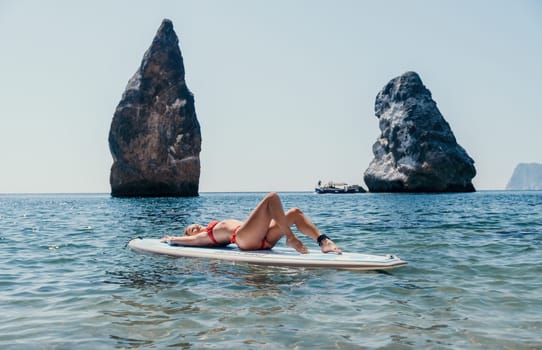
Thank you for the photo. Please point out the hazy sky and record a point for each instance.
(284, 89)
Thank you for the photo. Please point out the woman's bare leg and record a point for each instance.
(256, 227)
(307, 227)
(296, 217)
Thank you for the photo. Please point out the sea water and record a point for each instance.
(474, 279)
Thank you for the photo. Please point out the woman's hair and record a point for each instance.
(186, 230)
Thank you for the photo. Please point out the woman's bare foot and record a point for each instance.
(328, 246)
(294, 242)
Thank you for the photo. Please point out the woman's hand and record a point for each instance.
(166, 239)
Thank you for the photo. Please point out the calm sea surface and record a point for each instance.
(474, 279)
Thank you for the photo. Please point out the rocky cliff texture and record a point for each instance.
(416, 151)
(155, 136)
(526, 176)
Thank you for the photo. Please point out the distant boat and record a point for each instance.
(337, 187)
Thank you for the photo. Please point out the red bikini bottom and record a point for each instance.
(234, 236)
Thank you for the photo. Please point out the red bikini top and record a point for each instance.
(209, 230)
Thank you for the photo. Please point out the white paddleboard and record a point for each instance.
(277, 256)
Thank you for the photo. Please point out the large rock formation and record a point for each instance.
(155, 136)
(527, 176)
(417, 151)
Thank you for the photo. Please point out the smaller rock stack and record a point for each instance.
(416, 151)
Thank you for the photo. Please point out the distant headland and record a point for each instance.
(526, 176)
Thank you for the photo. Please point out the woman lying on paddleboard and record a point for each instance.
(264, 227)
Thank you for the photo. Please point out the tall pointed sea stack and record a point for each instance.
(417, 150)
(155, 136)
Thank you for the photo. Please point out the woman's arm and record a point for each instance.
(199, 240)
